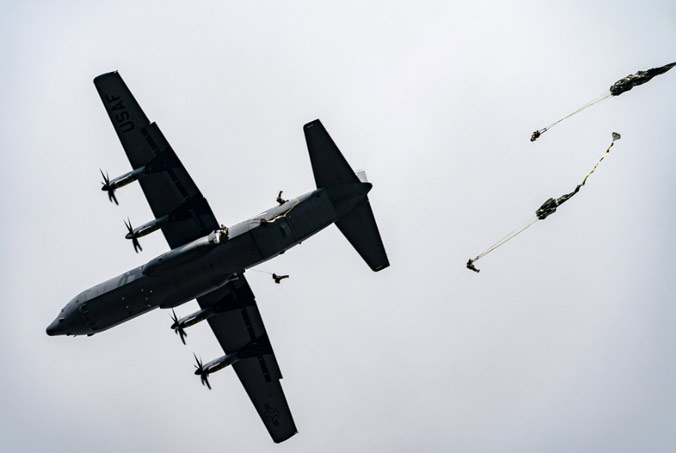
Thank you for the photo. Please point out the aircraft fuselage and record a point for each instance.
(201, 266)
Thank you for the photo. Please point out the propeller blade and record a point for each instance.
(106, 180)
(106, 186)
(176, 326)
(137, 245)
(130, 235)
(199, 370)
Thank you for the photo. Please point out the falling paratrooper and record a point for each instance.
(621, 86)
(545, 210)
(279, 278)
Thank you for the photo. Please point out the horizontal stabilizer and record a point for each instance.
(359, 227)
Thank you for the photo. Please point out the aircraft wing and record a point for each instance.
(168, 187)
(237, 324)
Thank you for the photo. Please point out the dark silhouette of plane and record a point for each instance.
(207, 261)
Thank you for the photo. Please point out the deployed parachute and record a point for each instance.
(641, 77)
(544, 211)
(616, 89)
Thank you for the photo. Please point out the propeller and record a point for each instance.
(178, 328)
(204, 376)
(132, 236)
(108, 188)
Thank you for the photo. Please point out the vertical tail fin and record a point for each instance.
(328, 164)
(331, 169)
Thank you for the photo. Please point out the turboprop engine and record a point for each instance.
(143, 230)
(179, 324)
(110, 185)
(254, 348)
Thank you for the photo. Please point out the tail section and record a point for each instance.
(330, 168)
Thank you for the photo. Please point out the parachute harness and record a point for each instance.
(544, 211)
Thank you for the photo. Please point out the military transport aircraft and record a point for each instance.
(207, 260)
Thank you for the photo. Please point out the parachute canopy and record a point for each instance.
(641, 77)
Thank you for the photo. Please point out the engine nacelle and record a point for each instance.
(179, 325)
(110, 185)
(147, 228)
(254, 348)
(127, 178)
(192, 319)
(220, 363)
(134, 233)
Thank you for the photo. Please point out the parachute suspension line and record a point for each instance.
(275, 277)
(539, 132)
(507, 238)
(587, 105)
(616, 136)
(262, 272)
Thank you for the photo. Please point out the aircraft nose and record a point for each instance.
(56, 327)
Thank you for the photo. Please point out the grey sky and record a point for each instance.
(565, 340)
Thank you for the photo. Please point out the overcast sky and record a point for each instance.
(563, 343)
